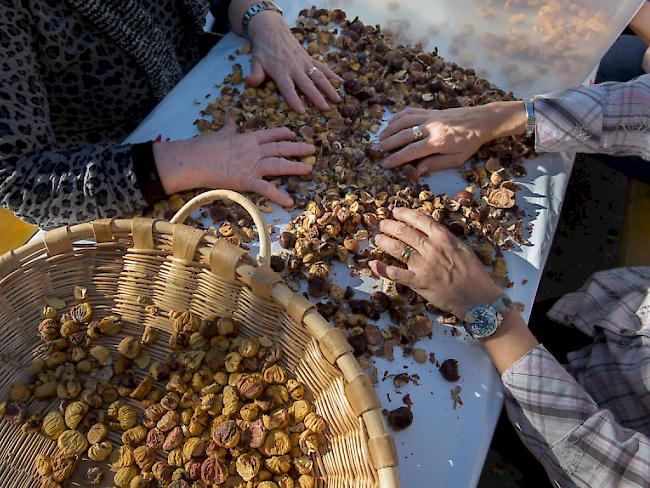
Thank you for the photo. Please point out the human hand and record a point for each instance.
(441, 268)
(228, 159)
(449, 137)
(278, 54)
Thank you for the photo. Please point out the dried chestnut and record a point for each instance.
(400, 418)
(449, 370)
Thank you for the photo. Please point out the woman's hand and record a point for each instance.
(277, 54)
(449, 137)
(228, 159)
(441, 268)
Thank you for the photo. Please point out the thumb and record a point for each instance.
(257, 75)
(438, 162)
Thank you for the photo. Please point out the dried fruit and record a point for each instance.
(296, 389)
(213, 471)
(74, 414)
(248, 465)
(110, 325)
(123, 476)
(227, 326)
(145, 457)
(53, 424)
(276, 443)
(63, 466)
(100, 451)
(149, 335)
(173, 440)
(449, 370)
(129, 347)
(314, 422)
(43, 464)
(250, 386)
(227, 434)
(400, 418)
(301, 409)
(275, 374)
(72, 442)
(97, 433)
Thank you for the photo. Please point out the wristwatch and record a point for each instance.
(483, 320)
(255, 9)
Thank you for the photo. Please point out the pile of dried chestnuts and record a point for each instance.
(338, 208)
(219, 410)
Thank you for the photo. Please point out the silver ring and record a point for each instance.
(311, 71)
(417, 133)
(406, 254)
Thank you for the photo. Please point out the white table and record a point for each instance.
(444, 447)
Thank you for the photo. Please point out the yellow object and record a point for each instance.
(636, 226)
(15, 232)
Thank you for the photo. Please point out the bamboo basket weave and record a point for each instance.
(132, 263)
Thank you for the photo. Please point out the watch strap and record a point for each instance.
(503, 304)
(255, 9)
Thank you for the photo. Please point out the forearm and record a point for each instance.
(62, 187)
(641, 23)
(578, 444)
(511, 342)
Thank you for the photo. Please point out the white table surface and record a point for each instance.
(444, 447)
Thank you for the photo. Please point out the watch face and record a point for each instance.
(482, 321)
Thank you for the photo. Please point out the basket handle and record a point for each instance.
(210, 196)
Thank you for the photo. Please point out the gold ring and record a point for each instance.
(311, 71)
(406, 254)
(417, 133)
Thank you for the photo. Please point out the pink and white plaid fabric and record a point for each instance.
(611, 118)
(589, 423)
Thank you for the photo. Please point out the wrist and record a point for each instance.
(485, 296)
(504, 119)
(168, 158)
(265, 22)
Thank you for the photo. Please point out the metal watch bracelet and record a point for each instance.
(255, 9)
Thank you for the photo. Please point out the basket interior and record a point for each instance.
(123, 281)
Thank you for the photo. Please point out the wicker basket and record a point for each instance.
(129, 264)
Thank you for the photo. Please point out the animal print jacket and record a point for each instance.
(76, 76)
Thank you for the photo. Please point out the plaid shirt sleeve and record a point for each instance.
(609, 118)
(579, 444)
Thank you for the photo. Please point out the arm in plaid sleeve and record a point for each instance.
(610, 118)
(578, 444)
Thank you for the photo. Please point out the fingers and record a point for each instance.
(329, 73)
(438, 162)
(395, 247)
(326, 87)
(393, 273)
(229, 125)
(404, 233)
(411, 152)
(401, 138)
(270, 191)
(307, 86)
(287, 149)
(419, 221)
(288, 90)
(281, 166)
(257, 75)
(275, 134)
(406, 121)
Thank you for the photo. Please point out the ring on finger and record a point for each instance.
(406, 254)
(417, 133)
(311, 71)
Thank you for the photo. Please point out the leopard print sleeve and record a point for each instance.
(39, 182)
